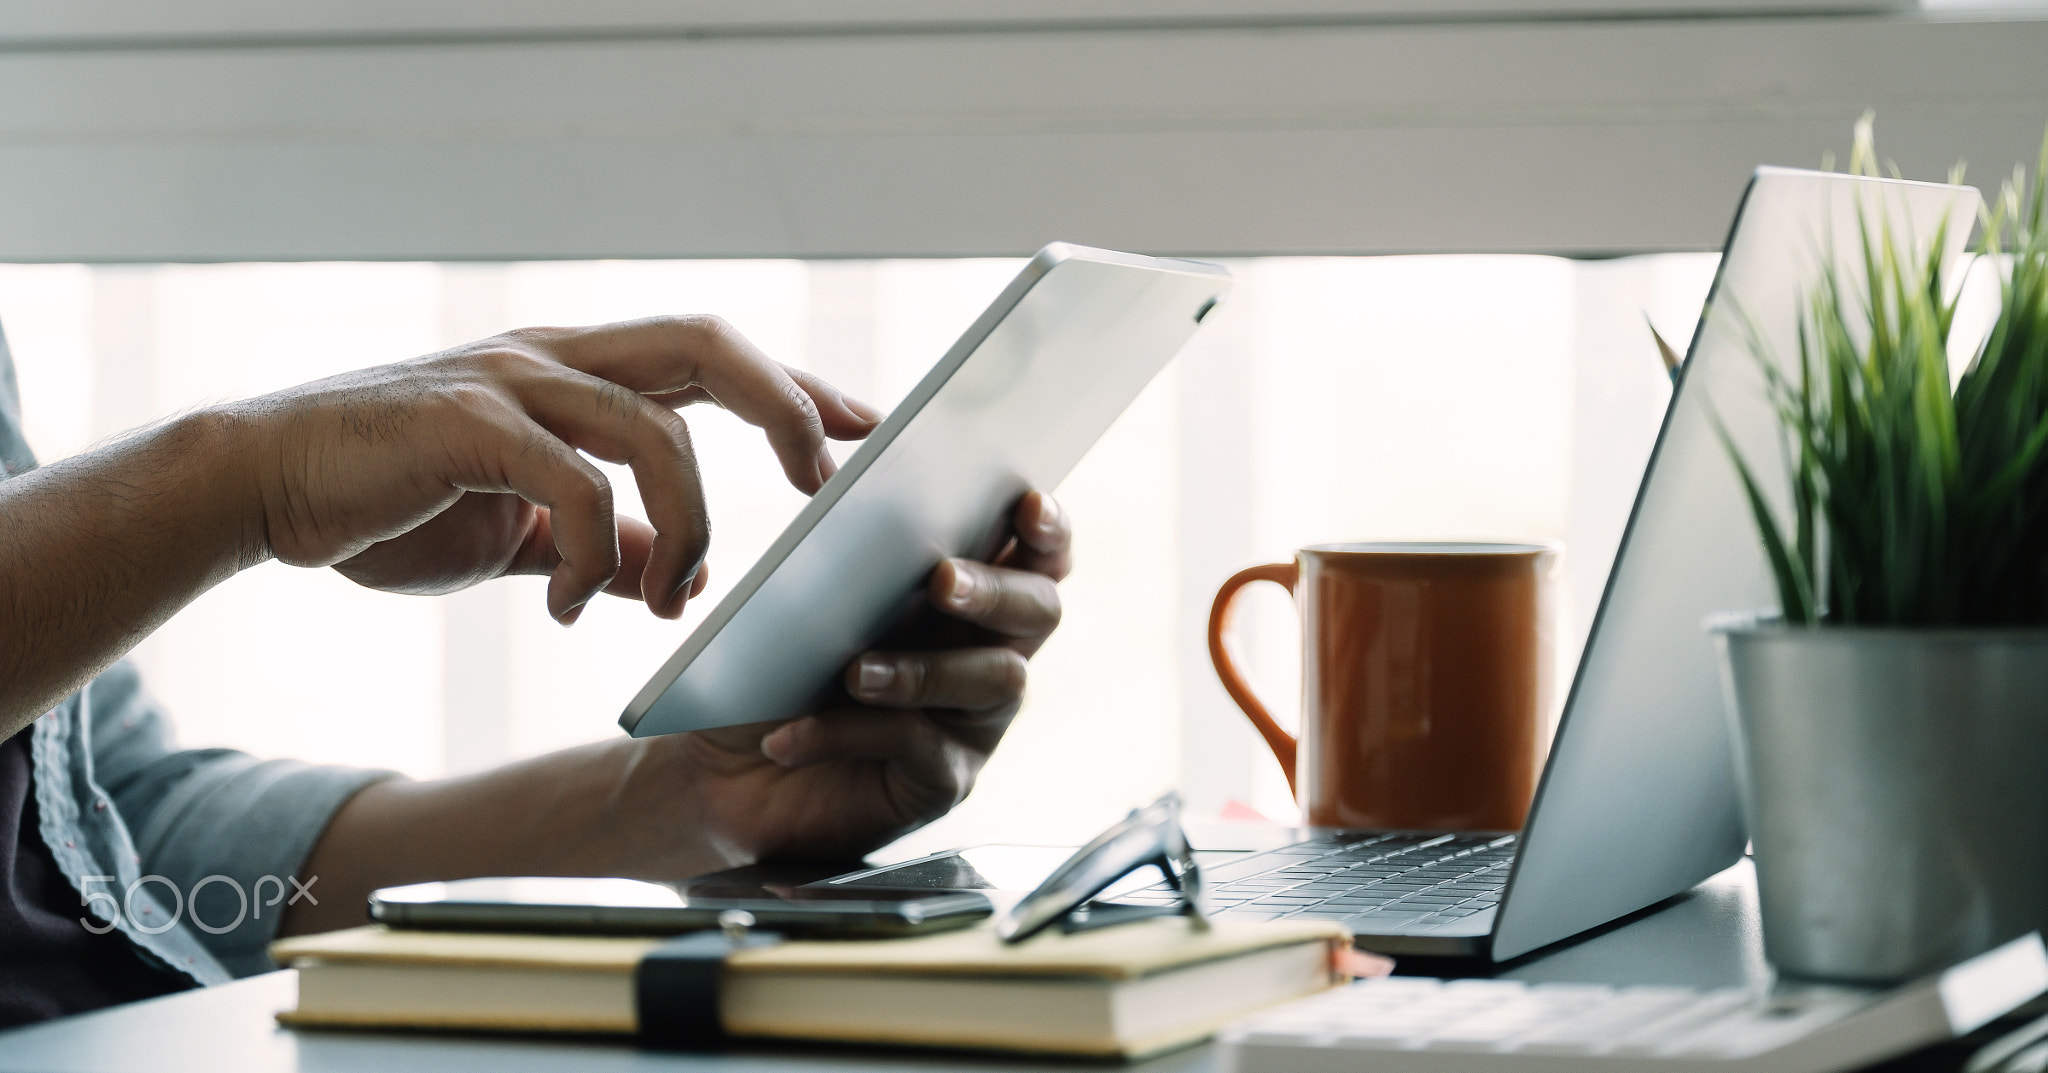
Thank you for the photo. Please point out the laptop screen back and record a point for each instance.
(1639, 800)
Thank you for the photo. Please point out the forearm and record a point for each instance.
(97, 550)
(568, 813)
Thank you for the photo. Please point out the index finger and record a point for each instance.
(619, 425)
(663, 356)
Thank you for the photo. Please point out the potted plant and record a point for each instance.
(1892, 719)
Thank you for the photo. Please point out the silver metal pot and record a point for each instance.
(1896, 787)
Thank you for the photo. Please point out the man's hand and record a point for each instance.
(431, 475)
(424, 476)
(846, 780)
(828, 784)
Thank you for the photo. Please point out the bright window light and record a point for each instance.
(1330, 399)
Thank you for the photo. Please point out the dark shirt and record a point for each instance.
(50, 965)
(187, 853)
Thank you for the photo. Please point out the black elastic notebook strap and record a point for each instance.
(675, 988)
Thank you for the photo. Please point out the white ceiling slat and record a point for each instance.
(142, 21)
(1599, 137)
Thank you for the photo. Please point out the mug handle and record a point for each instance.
(1283, 744)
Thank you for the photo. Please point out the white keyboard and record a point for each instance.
(1417, 1025)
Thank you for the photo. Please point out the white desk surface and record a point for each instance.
(1706, 937)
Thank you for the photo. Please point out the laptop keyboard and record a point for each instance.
(1423, 877)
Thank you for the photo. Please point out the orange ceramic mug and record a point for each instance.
(1426, 674)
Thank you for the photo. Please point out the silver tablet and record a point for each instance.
(1013, 406)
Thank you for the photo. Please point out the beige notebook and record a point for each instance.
(1130, 990)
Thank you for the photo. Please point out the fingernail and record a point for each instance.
(681, 595)
(963, 588)
(570, 616)
(863, 410)
(1049, 519)
(875, 677)
(776, 746)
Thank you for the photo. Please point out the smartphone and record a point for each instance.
(631, 907)
(1000, 866)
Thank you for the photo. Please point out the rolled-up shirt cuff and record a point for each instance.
(234, 835)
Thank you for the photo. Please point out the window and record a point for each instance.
(1329, 399)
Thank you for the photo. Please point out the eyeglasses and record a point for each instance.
(1148, 836)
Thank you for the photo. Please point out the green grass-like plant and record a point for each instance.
(1912, 505)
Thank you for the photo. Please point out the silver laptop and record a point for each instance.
(1638, 801)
